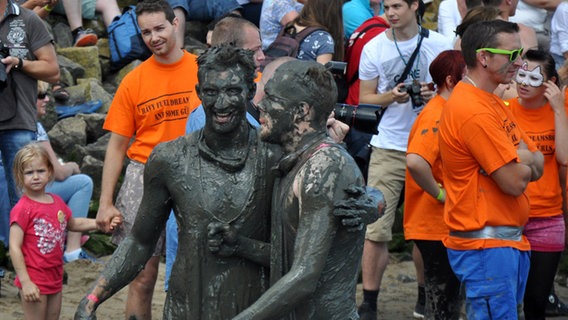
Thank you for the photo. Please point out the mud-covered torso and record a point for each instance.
(204, 286)
(335, 292)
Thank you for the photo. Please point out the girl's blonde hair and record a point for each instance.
(28, 153)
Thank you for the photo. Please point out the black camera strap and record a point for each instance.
(424, 33)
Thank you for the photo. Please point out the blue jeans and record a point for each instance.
(171, 247)
(10, 142)
(205, 10)
(76, 191)
(495, 280)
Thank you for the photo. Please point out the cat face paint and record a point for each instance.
(533, 78)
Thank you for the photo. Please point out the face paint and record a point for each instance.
(533, 78)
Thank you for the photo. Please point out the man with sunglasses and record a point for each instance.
(488, 162)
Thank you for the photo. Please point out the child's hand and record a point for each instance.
(30, 292)
(115, 222)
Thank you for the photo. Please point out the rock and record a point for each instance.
(88, 57)
(93, 167)
(93, 90)
(66, 135)
(75, 69)
(62, 35)
(96, 149)
(94, 128)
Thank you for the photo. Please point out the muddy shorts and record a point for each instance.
(128, 201)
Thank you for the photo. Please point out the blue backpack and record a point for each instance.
(125, 40)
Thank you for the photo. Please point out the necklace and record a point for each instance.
(472, 82)
(400, 53)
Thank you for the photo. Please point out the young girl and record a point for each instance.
(38, 224)
(540, 112)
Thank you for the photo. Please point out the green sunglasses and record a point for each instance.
(513, 54)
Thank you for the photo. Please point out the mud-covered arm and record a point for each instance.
(315, 233)
(133, 253)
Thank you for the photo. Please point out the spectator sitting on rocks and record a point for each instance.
(76, 11)
(200, 10)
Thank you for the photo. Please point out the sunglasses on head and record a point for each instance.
(41, 95)
(513, 54)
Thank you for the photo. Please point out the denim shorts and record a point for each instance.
(87, 9)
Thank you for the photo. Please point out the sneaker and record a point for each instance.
(83, 255)
(555, 307)
(85, 38)
(420, 304)
(365, 312)
(418, 310)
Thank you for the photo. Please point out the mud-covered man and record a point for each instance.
(314, 261)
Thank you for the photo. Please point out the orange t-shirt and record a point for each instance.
(424, 215)
(152, 104)
(545, 194)
(478, 135)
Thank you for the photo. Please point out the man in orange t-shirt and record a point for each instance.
(488, 162)
(151, 106)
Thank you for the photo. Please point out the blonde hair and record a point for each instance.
(28, 153)
(42, 86)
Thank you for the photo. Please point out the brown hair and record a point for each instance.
(329, 15)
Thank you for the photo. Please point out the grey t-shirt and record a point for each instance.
(22, 32)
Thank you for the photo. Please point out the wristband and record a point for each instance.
(440, 195)
(47, 8)
(93, 298)
(20, 64)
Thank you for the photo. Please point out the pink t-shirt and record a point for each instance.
(44, 226)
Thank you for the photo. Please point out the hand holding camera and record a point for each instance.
(419, 92)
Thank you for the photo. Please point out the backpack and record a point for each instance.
(363, 34)
(125, 40)
(287, 43)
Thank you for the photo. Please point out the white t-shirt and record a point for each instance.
(380, 58)
(530, 16)
(449, 18)
(559, 30)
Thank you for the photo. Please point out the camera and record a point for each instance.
(336, 67)
(414, 92)
(364, 117)
(3, 74)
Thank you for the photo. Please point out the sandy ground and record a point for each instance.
(396, 301)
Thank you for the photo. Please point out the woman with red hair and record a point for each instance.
(425, 195)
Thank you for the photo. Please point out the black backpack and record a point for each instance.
(287, 43)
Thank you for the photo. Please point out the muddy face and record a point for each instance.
(276, 116)
(223, 95)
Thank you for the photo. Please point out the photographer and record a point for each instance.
(395, 59)
(26, 58)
